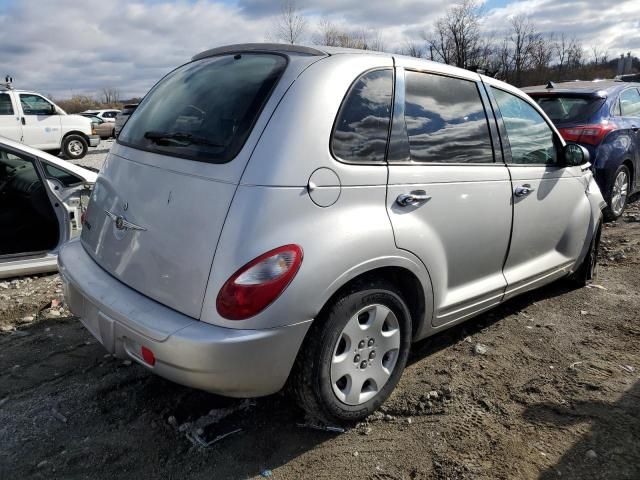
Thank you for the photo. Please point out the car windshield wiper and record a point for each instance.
(179, 137)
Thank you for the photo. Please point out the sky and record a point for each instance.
(66, 47)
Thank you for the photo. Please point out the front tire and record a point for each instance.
(354, 354)
(618, 193)
(74, 147)
(588, 270)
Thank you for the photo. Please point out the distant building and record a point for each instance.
(625, 64)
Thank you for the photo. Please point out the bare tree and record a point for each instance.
(110, 95)
(456, 39)
(412, 49)
(524, 39)
(566, 51)
(332, 36)
(542, 52)
(600, 55)
(575, 55)
(290, 26)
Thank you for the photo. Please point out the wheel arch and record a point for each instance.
(76, 132)
(414, 291)
(632, 173)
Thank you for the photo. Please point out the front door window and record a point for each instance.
(27, 220)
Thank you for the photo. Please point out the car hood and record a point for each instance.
(73, 120)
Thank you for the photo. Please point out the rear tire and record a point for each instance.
(618, 193)
(588, 270)
(74, 147)
(354, 354)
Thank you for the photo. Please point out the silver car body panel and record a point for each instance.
(239, 362)
(205, 221)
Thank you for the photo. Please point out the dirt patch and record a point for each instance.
(546, 386)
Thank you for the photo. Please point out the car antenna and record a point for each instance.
(550, 85)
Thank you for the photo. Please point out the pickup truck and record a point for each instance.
(30, 118)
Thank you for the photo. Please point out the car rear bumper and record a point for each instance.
(94, 140)
(232, 362)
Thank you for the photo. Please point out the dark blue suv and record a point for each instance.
(604, 117)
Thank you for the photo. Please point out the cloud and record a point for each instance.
(590, 21)
(64, 47)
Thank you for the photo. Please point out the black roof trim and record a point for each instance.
(260, 47)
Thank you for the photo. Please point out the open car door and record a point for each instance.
(42, 199)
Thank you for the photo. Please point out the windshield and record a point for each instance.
(567, 109)
(205, 110)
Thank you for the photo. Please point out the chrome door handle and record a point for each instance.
(414, 198)
(523, 190)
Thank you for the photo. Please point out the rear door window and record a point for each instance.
(205, 110)
(530, 137)
(362, 127)
(446, 121)
(630, 103)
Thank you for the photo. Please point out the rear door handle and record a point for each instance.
(413, 198)
(24, 122)
(523, 190)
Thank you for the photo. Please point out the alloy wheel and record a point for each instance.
(619, 192)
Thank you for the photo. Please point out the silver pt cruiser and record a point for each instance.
(276, 214)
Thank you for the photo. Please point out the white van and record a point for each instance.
(30, 118)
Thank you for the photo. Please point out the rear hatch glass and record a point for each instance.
(155, 215)
(205, 110)
(569, 108)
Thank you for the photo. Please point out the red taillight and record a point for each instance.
(148, 356)
(591, 134)
(256, 285)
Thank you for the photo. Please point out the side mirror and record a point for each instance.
(575, 155)
(53, 110)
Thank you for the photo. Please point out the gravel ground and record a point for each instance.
(96, 156)
(546, 386)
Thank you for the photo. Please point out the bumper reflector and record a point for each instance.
(148, 356)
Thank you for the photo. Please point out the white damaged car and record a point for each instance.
(42, 200)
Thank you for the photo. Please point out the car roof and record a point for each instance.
(316, 50)
(595, 87)
(17, 90)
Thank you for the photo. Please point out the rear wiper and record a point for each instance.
(179, 137)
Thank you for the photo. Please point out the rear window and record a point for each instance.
(362, 127)
(205, 110)
(567, 109)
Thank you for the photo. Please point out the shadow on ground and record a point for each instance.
(612, 444)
